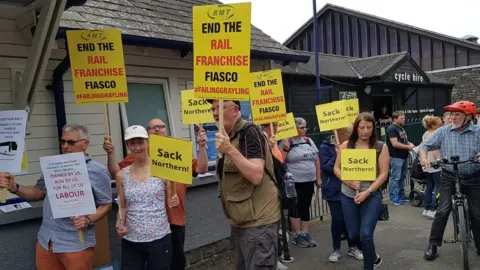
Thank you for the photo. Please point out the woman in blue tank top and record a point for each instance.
(362, 200)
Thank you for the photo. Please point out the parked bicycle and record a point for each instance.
(461, 219)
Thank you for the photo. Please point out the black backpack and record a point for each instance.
(293, 145)
(417, 170)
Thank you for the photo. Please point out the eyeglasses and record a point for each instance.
(224, 107)
(70, 142)
(301, 127)
(157, 127)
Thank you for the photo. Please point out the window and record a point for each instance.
(146, 101)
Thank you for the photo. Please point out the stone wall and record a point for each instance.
(466, 80)
(218, 255)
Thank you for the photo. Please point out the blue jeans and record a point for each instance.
(431, 191)
(338, 225)
(361, 222)
(398, 171)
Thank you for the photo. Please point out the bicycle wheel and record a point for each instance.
(462, 230)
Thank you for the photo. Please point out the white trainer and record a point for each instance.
(355, 252)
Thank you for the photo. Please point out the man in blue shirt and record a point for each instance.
(461, 138)
(58, 245)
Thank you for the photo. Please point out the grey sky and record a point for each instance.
(281, 18)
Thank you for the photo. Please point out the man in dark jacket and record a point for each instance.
(331, 191)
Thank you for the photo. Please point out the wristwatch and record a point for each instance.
(90, 222)
(16, 190)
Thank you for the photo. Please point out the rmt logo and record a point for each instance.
(221, 12)
(93, 35)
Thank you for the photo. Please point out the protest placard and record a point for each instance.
(359, 164)
(352, 108)
(68, 185)
(332, 116)
(221, 51)
(195, 110)
(171, 159)
(287, 128)
(266, 97)
(12, 143)
(98, 68)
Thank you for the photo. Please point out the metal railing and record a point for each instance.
(319, 207)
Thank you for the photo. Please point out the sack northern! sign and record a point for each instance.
(359, 164)
(221, 48)
(195, 110)
(98, 68)
(332, 116)
(287, 128)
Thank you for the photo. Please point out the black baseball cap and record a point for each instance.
(234, 101)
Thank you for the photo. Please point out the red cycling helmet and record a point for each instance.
(466, 107)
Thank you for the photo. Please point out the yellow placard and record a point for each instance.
(266, 97)
(25, 162)
(353, 109)
(98, 68)
(332, 115)
(221, 51)
(287, 128)
(171, 159)
(195, 110)
(359, 164)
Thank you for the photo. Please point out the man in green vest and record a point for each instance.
(249, 196)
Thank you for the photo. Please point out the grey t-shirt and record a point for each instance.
(300, 160)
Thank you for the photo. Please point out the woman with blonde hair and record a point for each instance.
(431, 123)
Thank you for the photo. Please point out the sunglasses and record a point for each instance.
(157, 127)
(70, 142)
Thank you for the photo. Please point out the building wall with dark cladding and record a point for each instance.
(466, 80)
(344, 34)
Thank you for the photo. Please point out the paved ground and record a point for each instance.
(400, 242)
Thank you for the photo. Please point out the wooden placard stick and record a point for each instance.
(221, 128)
(81, 236)
(4, 192)
(272, 131)
(105, 119)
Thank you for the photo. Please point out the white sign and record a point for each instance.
(68, 185)
(12, 140)
(14, 207)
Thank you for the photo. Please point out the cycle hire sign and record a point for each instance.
(332, 116)
(171, 159)
(266, 97)
(195, 110)
(287, 128)
(221, 51)
(359, 164)
(98, 68)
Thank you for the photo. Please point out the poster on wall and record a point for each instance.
(211, 129)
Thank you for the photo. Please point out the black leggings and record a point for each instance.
(156, 254)
(301, 209)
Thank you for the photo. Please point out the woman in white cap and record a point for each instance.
(142, 219)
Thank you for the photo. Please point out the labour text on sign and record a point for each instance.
(266, 97)
(98, 68)
(221, 48)
(359, 164)
(171, 159)
(68, 185)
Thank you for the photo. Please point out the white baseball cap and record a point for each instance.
(135, 131)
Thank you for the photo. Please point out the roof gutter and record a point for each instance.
(186, 46)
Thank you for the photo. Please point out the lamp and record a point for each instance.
(368, 89)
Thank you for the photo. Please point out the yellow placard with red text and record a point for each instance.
(332, 115)
(353, 109)
(221, 51)
(359, 164)
(171, 159)
(97, 64)
(195, 110)
(266, 97)
(287, 128)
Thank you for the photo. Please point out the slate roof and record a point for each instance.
(344, 67)
(169, 20)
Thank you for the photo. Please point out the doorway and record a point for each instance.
(382, 106)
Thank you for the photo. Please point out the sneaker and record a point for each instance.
(431, 214)
(309, 239)
(396, 202)
(355, 252)
(334, 256)
(300, 241)
(281, 266)
(283, 260)
(425, 213)
(377, 262)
